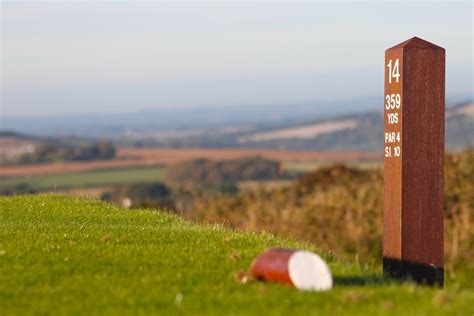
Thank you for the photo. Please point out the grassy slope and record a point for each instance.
(88, 178)
(66, 255)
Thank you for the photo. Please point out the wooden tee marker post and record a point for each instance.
(414, 162)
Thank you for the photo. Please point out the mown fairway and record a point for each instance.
(88, 178)
(63, 255)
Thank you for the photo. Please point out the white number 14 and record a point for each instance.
(395, 73)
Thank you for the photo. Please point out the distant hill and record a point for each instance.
(17, 147)
(289, 128)
(357, 132)
(354, 132)
(172, 119)
(460, 126)
(14, 145)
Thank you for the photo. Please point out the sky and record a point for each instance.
(67, 58)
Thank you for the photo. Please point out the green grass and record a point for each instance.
(88, 178)
(69, 256)
(309, 166)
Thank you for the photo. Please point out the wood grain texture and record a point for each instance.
(423, 158)
(414, 182)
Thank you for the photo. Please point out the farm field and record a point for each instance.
(73, 167)
(132, 157)
(57, 249)
(93, 178)
(93, 182)
(172, 155)
(149, 165)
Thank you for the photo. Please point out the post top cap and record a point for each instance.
(416, 42)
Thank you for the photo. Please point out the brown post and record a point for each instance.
(414, 161)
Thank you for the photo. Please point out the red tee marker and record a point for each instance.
(304, 270)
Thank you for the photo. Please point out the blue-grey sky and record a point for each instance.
(94, 56)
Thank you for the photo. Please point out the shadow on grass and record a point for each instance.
(372, 280)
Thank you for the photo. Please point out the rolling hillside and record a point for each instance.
(354, 132)
(357, 132)
(361, 131)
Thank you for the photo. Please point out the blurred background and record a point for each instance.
(259, 115)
